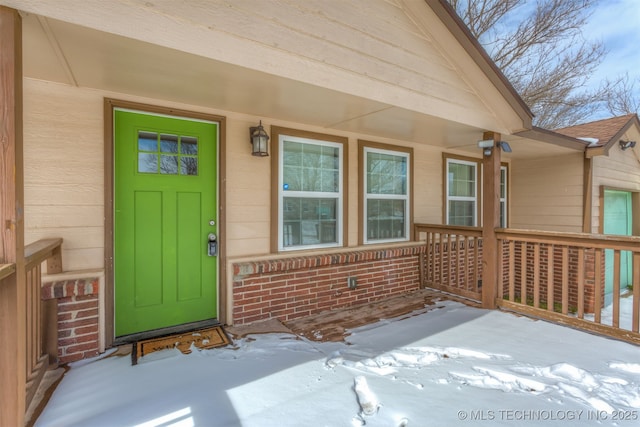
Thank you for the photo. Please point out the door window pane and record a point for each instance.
(167, 154)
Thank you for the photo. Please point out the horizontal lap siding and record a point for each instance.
(619, 170)
(290, 288)
(546, 193)
(373, 41)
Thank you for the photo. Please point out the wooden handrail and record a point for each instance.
(585, 240)
(7, 270)
(44, 249)
(456, 229)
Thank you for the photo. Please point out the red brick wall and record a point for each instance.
(297, 285)
(77, 302)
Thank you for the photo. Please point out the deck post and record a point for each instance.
(12, 289)
(490, 220)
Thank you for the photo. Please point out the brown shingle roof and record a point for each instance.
(604, 130)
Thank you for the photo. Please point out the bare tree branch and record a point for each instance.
(539, 47)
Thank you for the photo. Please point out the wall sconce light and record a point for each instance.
(488, 144)
(258, 139)
(626, 144)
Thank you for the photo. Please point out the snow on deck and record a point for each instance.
(454, 366)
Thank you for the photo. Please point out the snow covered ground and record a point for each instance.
(455, 365)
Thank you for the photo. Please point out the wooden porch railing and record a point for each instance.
(561, 277)
(40, 319)
(453, 259)
(555, 276)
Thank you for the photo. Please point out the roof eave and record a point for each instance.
(550, 137)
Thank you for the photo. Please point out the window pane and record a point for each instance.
(386, 174)
(169, 165)
(462, 180)
(147, 141)
(310, 167)
(292, 153)
(292, 178)
(385, 219)
(188, 166)
(168, 143)
(503, 183)
(147, 163)
(329, 181)
(189, 145)
(461, 212)
(309, 221)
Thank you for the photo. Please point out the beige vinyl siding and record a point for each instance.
(619, 170)
(394, 52)
(64, 174)
(64, 171)
(546, 193)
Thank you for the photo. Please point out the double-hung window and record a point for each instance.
(462, 189)
(386, 193)
(462, 192)
(310, 193)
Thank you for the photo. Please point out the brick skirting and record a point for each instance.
(295, 285)
(78, 317)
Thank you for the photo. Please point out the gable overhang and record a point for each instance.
(603, 150)
(478, 54)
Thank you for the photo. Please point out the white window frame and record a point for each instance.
(406, 197)
(503, 200)
(339, 196)
(474, 199)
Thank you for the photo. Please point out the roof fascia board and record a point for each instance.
(550, 137)
(459, 30)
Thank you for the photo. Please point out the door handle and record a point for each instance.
(212, 245)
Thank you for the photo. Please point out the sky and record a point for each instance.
(445, 365)
(616, 24)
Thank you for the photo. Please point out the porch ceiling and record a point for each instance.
(67, 53)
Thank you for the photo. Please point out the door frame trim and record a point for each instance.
(110, 105)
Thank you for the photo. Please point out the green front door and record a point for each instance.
(617, 220)
(165, 209)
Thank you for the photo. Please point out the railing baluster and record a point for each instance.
(565, 280)
(467, 263)
(597, 309)
(523, 273)
(635, 318)
(536, 275)
(581, 279)
(476, 260)
(512, 270)
(616, 288)
(500, 269)
(550, 278)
